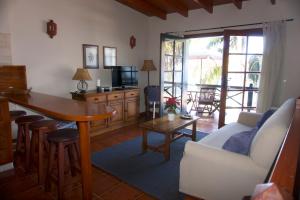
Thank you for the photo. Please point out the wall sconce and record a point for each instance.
(51, 28)
(132, 42)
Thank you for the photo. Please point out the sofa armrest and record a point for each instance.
(248, 118)
(211, 173)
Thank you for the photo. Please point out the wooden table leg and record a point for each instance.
(85, 155)
(167, 146)
(194, 131)
(145, 141)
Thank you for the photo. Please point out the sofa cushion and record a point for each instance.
(220, 136)
(265, 117)
(240, 142)
(269, 137)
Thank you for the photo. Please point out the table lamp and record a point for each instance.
(82, 75)
(148, 66)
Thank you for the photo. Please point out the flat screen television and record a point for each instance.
(124, 76)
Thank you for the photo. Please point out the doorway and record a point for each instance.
(227, 64)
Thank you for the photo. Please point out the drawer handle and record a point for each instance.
(131, 94)
(116, 96)
(96, 99)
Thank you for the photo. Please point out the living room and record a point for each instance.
(52, 62)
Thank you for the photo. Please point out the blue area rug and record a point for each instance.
(149, 172)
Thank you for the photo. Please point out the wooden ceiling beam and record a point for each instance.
(145, 8)
(178, 7)
(273, 2)
(238, 3)
(208, 5)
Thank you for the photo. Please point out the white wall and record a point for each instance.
(51, 63)
(226, 15)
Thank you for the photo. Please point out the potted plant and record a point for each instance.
(171, 106)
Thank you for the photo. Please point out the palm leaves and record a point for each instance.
(254, 66)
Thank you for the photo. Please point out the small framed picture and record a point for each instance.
(109, 57)
(90, 56)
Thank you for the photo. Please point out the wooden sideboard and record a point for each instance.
(5, 133)
(126, 102)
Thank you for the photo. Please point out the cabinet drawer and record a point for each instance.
(115, 96)
(131, 94)
(96, 99)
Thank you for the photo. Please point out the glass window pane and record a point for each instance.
(178, 64)
(254, 63)
(168, 47)
(236, 80)
(231, 115)
(168, 76)
(252, 78)
(238, 44)
(168, 63)
(177, 77)
(234, 99)
(250, 99)
(236, 63)
(167, 90)
(177, 92)
(255, 44)
(178, 48)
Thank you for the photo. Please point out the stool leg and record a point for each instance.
(27, 147)
(19, 138)
(61, 170)
(52, 148)
(40, 156)
(32, 147)
(72, 159)
(77, 154)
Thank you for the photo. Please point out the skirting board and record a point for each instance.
(6, 167)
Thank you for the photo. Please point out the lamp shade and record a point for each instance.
(148, 66)
(82, 74)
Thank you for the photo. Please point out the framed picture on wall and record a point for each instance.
(90, 56)
(109, 57)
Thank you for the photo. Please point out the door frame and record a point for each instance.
(163, 37)
(224, 83)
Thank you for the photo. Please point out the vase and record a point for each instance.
(171, 116)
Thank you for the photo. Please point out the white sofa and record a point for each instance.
(210, 172)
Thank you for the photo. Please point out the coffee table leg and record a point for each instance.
(167, 146)
(194, 131)
(145, 141)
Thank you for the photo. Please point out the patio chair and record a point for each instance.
(206, 100)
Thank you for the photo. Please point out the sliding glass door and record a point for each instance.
(242, 61)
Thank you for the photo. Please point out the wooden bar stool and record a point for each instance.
(39, 130)
(60, 140)
(15, 114)
(23, 137)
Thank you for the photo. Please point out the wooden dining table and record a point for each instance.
(69, 110)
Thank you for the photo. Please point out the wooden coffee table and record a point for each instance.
(169, 129)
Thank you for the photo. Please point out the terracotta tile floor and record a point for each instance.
(15, 184)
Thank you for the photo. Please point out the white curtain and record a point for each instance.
(273, 58)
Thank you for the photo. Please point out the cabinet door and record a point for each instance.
(99, 123)
(119, 107)
(132, 109)
(101, 100)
